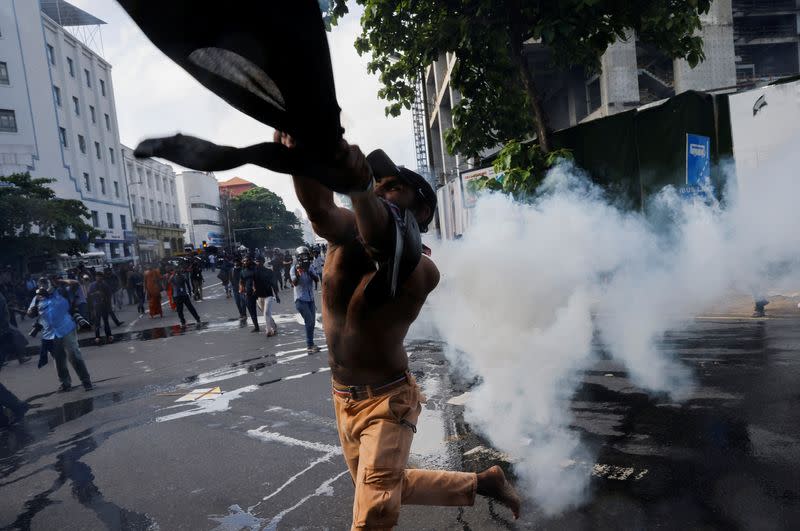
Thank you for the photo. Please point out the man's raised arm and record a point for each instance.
(331, 222)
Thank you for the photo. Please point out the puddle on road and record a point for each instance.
(234, 371)
(39, 423)
(71, 470)
(164, 332)
(429, 444)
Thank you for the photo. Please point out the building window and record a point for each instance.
(82, 144)
(103, 185)
(8, 121)
(102, 87)
(204, 205)
(123, 224)
(77, 105)
(95, 221)
(91, 111)
(86, 182)
(144, 207)
(110, 220)
(63, 134)
(97, 149)
(160, 210)
(111, 154)
(88, 78)
(152, 209)
(174, 212)
(4, 74)
(593, 95)
(71, 66)
(108, 123)
(116, 188)
(133, 206)
(51, 54)
(158, 183)
(57, 94)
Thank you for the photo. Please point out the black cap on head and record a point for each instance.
(382, 166)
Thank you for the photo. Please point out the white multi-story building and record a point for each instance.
(199, 208)
(58, 117)
(154, 204)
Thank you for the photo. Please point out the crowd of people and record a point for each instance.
(87, 299)
(255, 281)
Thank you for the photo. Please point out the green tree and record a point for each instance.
(34, 222)
(500, 100)
(520, 168)
(264, 212)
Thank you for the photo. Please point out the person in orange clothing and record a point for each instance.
(153, 285)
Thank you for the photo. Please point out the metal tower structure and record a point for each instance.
(419, 126)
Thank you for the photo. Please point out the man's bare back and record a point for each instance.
(365, 337)
(365, 340)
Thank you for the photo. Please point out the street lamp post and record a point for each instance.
(191, 221)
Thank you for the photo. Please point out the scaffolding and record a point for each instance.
(82, 25)
(419, 125)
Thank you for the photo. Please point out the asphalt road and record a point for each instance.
(263, 454)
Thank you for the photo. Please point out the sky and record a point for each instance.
(155, 97)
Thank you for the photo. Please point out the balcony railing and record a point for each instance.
(763, 6)
(767, 31)
(158, 224)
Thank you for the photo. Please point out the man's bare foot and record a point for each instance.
(492, 483)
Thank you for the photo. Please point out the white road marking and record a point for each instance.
(614, 472)
(327, 450)
(325, 488)
(459, 400)
(264, 434)
(494, 454)
(219, 403)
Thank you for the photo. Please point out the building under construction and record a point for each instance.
(747, 43)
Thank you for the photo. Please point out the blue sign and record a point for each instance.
(216, 238)
(698, 165)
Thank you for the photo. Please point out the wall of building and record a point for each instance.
(153, 198)
(199, 208)
(762, 135)
(54, 104)
(718, 71)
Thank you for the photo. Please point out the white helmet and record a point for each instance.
(301, 250)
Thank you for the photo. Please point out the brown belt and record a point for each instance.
(361, 392)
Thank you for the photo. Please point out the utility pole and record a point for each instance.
(227, 203)
(191, 221)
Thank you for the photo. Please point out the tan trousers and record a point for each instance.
(376, 445)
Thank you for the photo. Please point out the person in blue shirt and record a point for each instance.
(303, 279)
(52, 306)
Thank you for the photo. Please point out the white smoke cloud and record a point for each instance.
(524, 291)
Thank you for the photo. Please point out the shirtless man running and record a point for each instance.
(366, 311)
